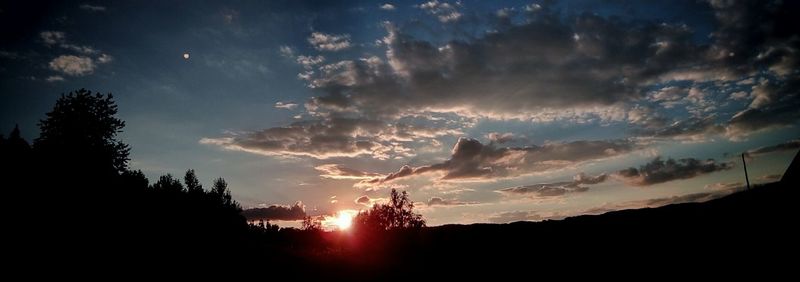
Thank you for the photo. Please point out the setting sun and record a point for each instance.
(343, 220)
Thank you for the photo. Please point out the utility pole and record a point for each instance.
(744, 164)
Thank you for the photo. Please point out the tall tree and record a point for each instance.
(219, 191)
(193, 185)
(81, 130)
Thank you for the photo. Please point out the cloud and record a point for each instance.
(790, 145)
(333, 137)
(387, 7)
(286, 51)
(437, 201)
(692, 128)
(474, 161)
(79, 49)
(276, 212)
(500, 138)
(92, 8)
(774, 106)
(739, 95)
(9, 55)
(514, 216)
(285, 105)
(104, 59)
(582, 68)
(771, 177)
(514, 73)
(533, 7)
(369, 202)
(556, 189)
(329, 42)
(52, 37)
(58, 38)
(73, 65)
(443, 11)
(54, 78)
(339, 171)
(659, 171)
(308, 62)
(724, 186)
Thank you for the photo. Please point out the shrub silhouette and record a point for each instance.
(398, 213)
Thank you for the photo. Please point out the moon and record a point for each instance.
(185, 56)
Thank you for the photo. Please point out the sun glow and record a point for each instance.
(343, 219)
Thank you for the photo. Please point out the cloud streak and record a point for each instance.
(472, 160)
(276, 212)
(557, 189)
(333, 137)
(785, 146)
(660, 171)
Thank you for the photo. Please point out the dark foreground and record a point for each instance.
(73, 208)
(744, 232)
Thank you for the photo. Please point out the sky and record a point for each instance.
(484, 111)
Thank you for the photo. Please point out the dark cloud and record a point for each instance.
(472, 160)
(775, 105)
(437, 201)
(364, 200)
(544, 190)
(659, 171)
(693, 128)
(582, 68)
(276, 212)
(790, 145)
(753, 34)
(591, 62)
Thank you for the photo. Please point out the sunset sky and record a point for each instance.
(484, 111)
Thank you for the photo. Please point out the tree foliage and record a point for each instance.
(193, 186)
(398, 213)
(311, 224)
(82, 128)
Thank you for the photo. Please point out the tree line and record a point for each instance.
(78, 176)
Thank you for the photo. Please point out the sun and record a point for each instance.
(343, 220)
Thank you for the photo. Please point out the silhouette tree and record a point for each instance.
(167, 183)
(396, 214)
(311, 224)
(14, 152)
(220, 193)
(133, 181)
(193, 186)
(15, 143)
(81, 129)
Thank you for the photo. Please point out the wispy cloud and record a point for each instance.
(92, 8)
(329, 42)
